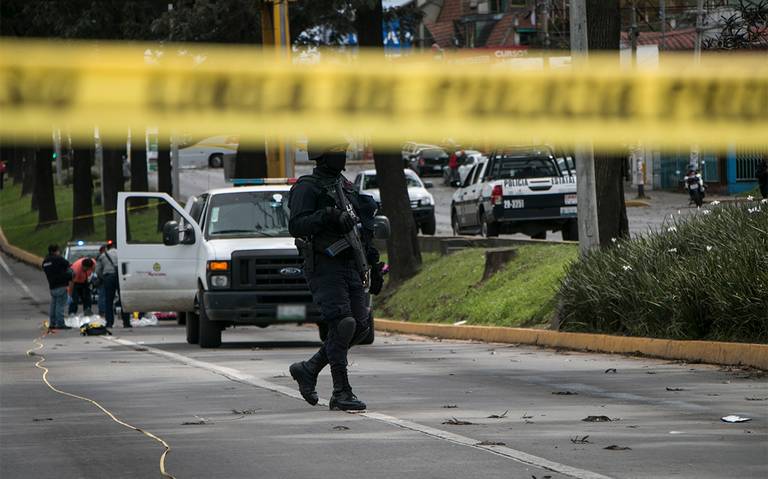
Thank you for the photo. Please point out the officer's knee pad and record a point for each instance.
(346, 329)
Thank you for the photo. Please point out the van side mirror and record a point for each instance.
(381, 227)
(189, 234)
(171, 233)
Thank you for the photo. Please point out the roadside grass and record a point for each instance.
(448, 289)
(19, 222)
(704, 276)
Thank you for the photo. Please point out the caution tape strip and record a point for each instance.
(80, 217)
(243, 91)
(39, 364)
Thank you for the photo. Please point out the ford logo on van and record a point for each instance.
(290, 271)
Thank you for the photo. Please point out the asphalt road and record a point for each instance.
(663, 205)
(150, 378)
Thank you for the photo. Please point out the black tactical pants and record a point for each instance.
(338, 290)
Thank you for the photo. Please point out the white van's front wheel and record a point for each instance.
(210, 333)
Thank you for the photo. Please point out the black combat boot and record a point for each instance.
(305, 373)
(343, 399)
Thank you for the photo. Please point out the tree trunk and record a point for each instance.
(251, 163)
(604, 33)
(402, 246)
(139, 176)
(15, 166)
(44, 193)
(164, 181)
(113, 183)
(82, 194)
(496, 259)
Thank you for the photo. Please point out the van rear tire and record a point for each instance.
(216, 161)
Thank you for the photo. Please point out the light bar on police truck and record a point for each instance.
(261, 181)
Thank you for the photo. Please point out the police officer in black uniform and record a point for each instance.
(319, 221)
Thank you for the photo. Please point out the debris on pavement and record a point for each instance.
(756, 399)
(449, 406)
(499, 416)
(614, 447)
(565, 393)
(457, 422)
(200, 422)
(734, 418)
(40, 419)
(597, 419)
(526, 416)
(340, 428)
(149, 319)
(675, 389)
(611, 371)
(244, 412)
(580, 440)
(490, 443)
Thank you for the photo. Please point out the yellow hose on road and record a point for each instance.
(39, 365)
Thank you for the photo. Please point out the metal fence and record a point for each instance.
(747, 161)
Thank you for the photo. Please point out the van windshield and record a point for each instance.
(248, 214)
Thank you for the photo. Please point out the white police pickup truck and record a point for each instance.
(226, 259)
(517, 190)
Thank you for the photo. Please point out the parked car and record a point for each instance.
(79, 249)
(516, 190)
(422, 201)
(410, 149)
(466, 162)
(429, 161)
(209, 151)
(229, 260)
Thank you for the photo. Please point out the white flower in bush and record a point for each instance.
(709, 248)
(671, 229)
(756, 209)
(764, 201)
(706, 212)
(672, 250)
(715, 203)
(626, 267)
(750, 198)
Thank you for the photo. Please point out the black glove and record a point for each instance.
(377, 279)
(340, 218)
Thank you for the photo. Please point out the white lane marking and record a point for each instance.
(18, 281)
(502, 451)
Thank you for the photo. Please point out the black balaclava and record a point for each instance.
(333, 160)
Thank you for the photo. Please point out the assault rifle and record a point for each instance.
(351, 238)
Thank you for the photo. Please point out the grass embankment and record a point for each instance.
(701, 277)
(19, 221)
(449, 289)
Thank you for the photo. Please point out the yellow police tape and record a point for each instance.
(204, 90)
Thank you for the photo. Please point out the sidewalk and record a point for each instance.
(662, 207)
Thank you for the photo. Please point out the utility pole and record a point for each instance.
(586, 197)
(663, 16)
(275, 33)
(699, 30)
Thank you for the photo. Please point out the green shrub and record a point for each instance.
(703, 277)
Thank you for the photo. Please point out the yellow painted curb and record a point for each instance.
(636, 203)
(713, 352)
(18, 253)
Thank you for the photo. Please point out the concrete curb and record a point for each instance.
(18, 253)
(712, 352)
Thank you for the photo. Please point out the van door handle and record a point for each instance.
(124, 267)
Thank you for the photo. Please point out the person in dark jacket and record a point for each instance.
(319, 221)
(59, 274)
(762, 177)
